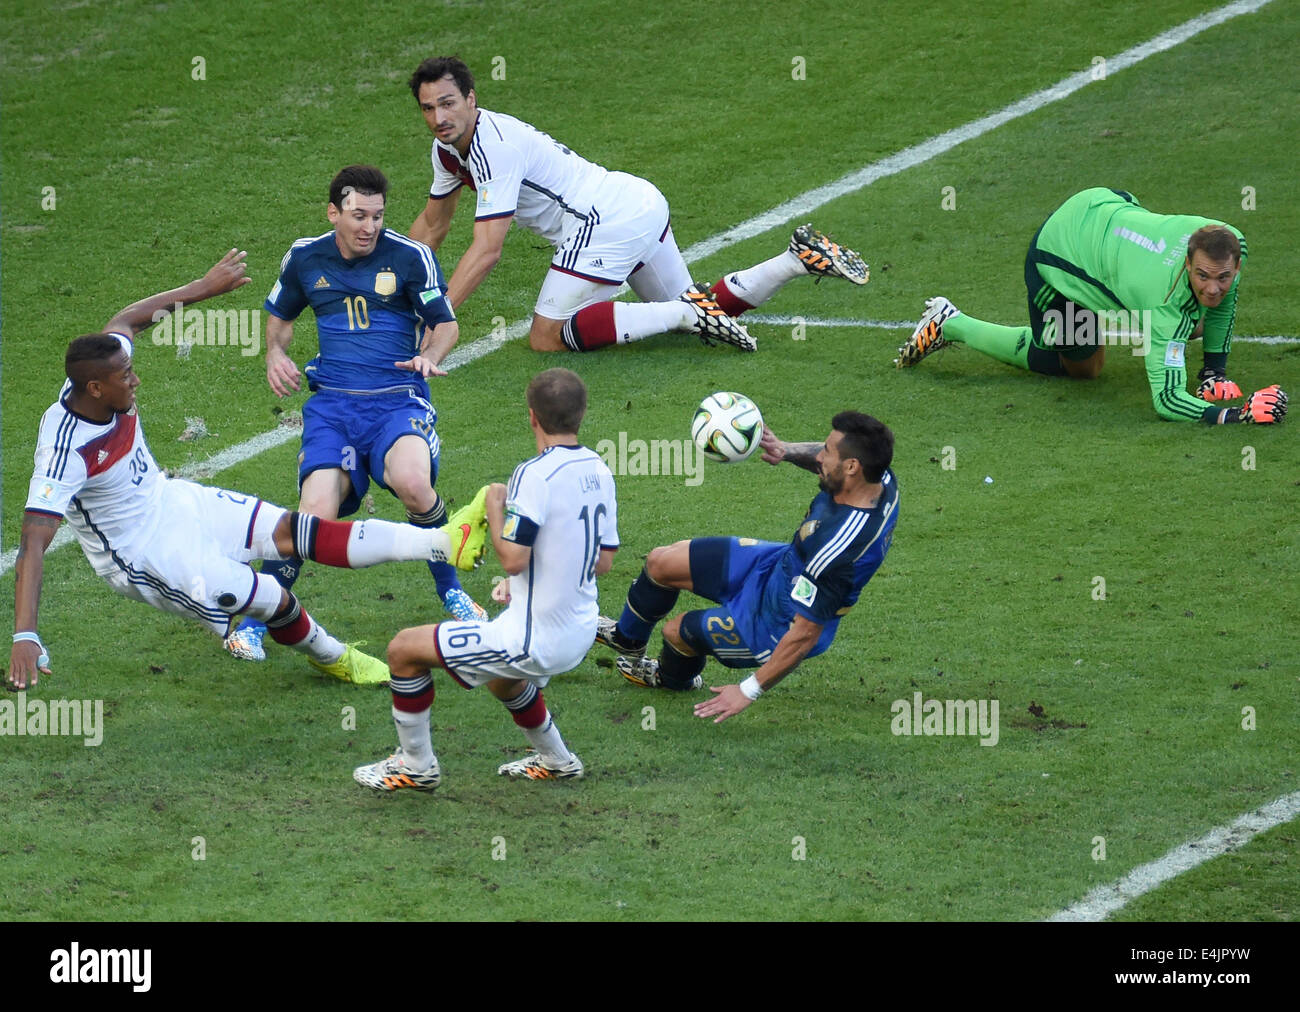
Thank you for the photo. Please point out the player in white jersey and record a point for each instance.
(555, 529)
(181, 547)
(607, 228)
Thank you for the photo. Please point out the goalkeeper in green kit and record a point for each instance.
(1103, 269)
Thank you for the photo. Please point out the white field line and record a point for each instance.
(811, 321)
(798, 206)
(806, 203)
(1105, 900)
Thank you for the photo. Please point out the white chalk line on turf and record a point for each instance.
(1105, 900)
(811, 201)
(812, 321)
(807, 202)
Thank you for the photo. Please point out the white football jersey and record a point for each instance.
(516, 169)
(101, 477)
(561, 504)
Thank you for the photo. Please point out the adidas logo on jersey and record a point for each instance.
(103, 456)
(321, 282)
(598, 262)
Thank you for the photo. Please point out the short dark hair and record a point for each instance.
(364, 179)
(1218, 242)
(435, 68)
(88, 357)
(866, 440)
(558, 398)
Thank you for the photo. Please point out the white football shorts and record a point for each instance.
(474, 653)
(627, 239)
(196, 564)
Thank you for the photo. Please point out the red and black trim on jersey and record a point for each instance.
(104, 451)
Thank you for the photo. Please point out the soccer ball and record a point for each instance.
(727, 427)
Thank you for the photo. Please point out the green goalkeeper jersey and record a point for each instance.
(1105, 252)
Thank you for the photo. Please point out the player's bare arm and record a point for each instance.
(432, 224)
(37, 532)
(729, 700)
(483, 255)
(281, 373)
(799, 454)
(605, 562)
(227, 274)
(514, 558)
(437, 344)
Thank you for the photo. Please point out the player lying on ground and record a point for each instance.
(607, 228)
(373, 292)
(555, 529)
(1167, 278)
(777, 603)
(181, 547)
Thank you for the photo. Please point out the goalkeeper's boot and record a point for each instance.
(462, 607)
(355, 667)
(468, 530)
(712, 324)
(532, 768)
(245, 642)
(928, 335)
(392, 774)
(644, 671)
(823, 258)
(607, 634)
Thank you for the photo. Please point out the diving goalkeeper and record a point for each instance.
(1100, 261)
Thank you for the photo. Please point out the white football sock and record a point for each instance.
(637, 320)
(415, 737)
(373, 541)
(759, 283)
(546, 739)
(319, 645)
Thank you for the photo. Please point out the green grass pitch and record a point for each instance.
(140, 142)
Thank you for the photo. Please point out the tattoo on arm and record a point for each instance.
(803, 455)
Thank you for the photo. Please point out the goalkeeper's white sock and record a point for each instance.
(755, 285)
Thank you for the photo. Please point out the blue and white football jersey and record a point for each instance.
(370, 311)
(820, 574)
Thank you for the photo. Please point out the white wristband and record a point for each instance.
(751, 688)
(43, 660)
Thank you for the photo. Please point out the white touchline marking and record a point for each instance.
(813, 321)
(1105, 900)
(798, 206)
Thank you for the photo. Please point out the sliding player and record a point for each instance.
(777, 604)
(181, 547)
(607, 228)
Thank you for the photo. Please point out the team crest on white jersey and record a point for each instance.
(385, 283)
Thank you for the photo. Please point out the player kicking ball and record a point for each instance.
(555, 529)
(607, 228)
(181, 547)
(777, 604)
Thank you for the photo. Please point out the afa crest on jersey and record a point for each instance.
(385, 283)
(807, 528)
